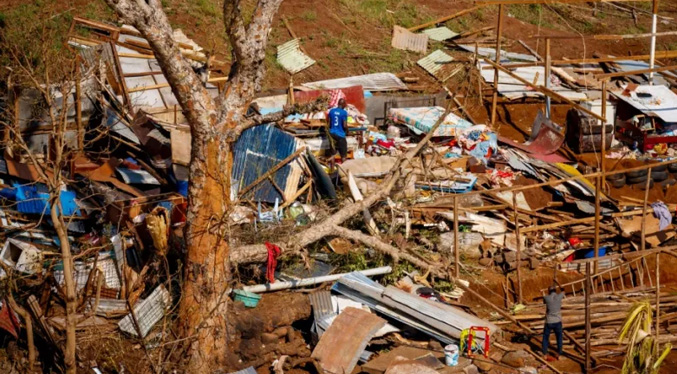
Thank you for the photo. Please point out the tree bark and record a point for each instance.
(214, 124)
(71, 296)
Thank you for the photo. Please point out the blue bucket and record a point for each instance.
(250, 299)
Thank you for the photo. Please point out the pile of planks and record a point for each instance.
(608, 313)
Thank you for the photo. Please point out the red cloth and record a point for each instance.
(273, 253)
(9, 321)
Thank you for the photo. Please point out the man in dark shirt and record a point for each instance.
(553, 320)
(338, 128)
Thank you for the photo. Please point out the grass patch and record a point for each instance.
(531, 13)
(309, 15)
(388, 13)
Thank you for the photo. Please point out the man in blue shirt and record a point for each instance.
(338, 128)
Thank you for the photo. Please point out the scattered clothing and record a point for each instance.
(662, 212)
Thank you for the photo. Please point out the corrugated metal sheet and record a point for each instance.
(291, 58)
(408, 41)
(437, 64)
(249, 370)
(491, 53)
(322, 309)
(147, 312)
(440, 34)
(369, 82)
(256, 151)
(341, 346)
(354, 96)
(658, 101)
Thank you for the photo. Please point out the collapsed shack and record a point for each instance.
(441, 201)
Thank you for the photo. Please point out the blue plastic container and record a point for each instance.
(250, 299)
(590, 253)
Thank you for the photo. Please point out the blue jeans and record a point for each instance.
(557, 327)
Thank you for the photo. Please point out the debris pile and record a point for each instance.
(444, 201)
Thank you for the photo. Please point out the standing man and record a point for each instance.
(553, 321)
(338, 128)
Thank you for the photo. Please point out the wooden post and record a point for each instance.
(658, 296)
(548, 63)
(654, 24)
(587, 318)
(78, 108)
(457, 266)
(598, 189)
(519, 248)
(499, 32)
(644, 207)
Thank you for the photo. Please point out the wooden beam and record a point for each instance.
(634, 72)
(445, 19)
(457, 266)
(164, 85)
(499, 31)
(520, 2)
(570, 61)
(543, 90)
(272, 170)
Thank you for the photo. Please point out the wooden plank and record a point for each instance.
(520, 2)
(635, 72)
(271, 171)
(445, 19)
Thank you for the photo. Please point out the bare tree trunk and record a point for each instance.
(214, 124)
(71, 296)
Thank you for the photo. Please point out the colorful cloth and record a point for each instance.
(422, 120)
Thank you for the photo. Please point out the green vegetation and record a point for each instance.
(309, 15)
(532, 13)
(389, 12)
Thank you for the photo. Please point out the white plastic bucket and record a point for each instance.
(451, 355)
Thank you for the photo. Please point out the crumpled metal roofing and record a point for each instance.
(369, 82)
(291, 58)
(408, 41)
(437, 64)
(440, 34)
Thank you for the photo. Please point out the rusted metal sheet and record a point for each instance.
(341, 345)
(370, 82)
(408, 41)
(546, 139)
(291, 58)
(354, 96)
(438, 64)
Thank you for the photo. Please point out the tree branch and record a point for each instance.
(318, 105)
(258, 252)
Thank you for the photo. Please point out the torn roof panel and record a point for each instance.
(513, 89)
(369, 82)
(440, 34)
(291, 58)
(491, 53)
(437, 64)
(658, 101)
(408, 41)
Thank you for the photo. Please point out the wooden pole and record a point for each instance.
(646, 198)
(444, 19)
(598, 189)
(654, 25)
(499, 32)
(543, 90)
(78, 108)
(457, 266)
(519, 249)
(548, 64)
(588, 326)
(658, 297)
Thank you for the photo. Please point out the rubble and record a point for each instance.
(444, 201)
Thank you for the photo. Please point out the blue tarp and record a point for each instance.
(34, 199)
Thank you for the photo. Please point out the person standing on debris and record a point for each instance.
(338, 128)
(553, 320)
